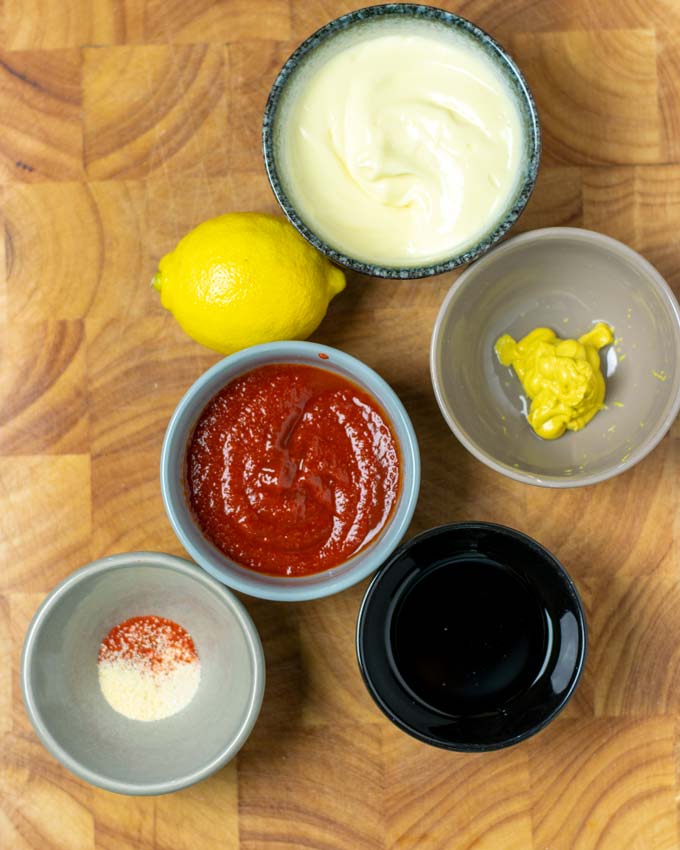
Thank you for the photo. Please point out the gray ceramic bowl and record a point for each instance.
(567, 279)
(344, 29)
(173, 468)
(61, 689)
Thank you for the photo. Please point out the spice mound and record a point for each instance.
(148, 668)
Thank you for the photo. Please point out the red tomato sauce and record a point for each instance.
(292, 469)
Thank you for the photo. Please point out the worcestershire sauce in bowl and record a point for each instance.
(471, 637)
(468, 636)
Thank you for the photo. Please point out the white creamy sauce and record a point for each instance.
(402, 149)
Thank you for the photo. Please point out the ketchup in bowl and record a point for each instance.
(292, 470)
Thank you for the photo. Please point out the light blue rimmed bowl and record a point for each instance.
(173, 467)
(341, 31)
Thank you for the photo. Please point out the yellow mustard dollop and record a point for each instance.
(562, 377)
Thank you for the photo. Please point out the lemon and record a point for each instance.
(245, 278)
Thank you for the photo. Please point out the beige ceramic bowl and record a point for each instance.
(567, 279)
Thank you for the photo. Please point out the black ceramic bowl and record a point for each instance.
(294, 70)
(472, 637)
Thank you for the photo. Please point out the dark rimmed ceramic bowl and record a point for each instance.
(527, 682)
(373, 16)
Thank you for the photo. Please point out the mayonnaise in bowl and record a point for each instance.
(403, 145)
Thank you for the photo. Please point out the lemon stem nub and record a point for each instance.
(156, 281)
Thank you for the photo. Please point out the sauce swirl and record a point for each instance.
(403, 148)
(292, 469)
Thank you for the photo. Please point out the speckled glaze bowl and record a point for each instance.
(342, 30)
(566, 279)
(61, 690)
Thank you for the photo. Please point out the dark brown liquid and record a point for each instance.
(468, 636)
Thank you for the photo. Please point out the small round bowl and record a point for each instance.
(68, 710)
(566, 279)
(344, 29)
(173, 469)
(514, 715)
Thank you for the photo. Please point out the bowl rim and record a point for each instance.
(546, 555)
(533, 134)
(141, 559)
(538, 235)
(369, 559)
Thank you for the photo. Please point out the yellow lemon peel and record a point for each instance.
(246, 278)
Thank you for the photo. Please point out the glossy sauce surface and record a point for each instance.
(562, 377)
(468, 636)
(403, 148)
(292, 469)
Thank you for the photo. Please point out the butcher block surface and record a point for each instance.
(124, 123)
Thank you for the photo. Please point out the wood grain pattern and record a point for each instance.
(337, 797)
(41, 97)
(596, 93)
(605, 783)
(45, 375)
(477, 802)
(176, 118)
(126, 123)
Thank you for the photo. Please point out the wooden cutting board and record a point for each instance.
(123, 124)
